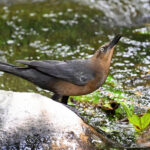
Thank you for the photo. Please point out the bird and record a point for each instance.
(69, 77)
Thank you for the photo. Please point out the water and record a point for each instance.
(120, 12)
(66, 30)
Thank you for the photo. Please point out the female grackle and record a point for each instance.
(67, 78)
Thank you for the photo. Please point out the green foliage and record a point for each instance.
(116, 93)
(140, 122)
(93, 97)
(111, 80)
(112, 91)
(127, 109)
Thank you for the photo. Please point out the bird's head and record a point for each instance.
(106, 50)
(102, 57)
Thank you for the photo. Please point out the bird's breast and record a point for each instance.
(69, 89)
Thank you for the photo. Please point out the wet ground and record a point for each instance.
(63, 30)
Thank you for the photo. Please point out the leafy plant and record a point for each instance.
(140, 122)
(112, 91)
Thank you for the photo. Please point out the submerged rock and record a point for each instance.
(33, 121)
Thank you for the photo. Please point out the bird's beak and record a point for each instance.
(113, 42)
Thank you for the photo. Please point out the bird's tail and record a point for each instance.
(27, 73)
(9, 68)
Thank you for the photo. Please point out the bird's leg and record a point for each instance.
(56, 97)
(64, 99)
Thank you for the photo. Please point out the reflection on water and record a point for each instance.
(67, 30)
(118, 12)
(10, 2)
(122, 12)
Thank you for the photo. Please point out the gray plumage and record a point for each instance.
(75, 71)
(67, 78)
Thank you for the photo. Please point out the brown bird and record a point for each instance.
(67, 78)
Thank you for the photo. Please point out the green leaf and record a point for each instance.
(126, 108)
(135, 120)
(145, 120)
(140, 123)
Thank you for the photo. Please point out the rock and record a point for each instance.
(32, 121)
(143, 141)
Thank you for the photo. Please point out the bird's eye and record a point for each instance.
(102, 49)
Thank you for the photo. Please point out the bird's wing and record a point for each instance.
(76, 72)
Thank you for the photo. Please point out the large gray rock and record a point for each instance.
(32, 120)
